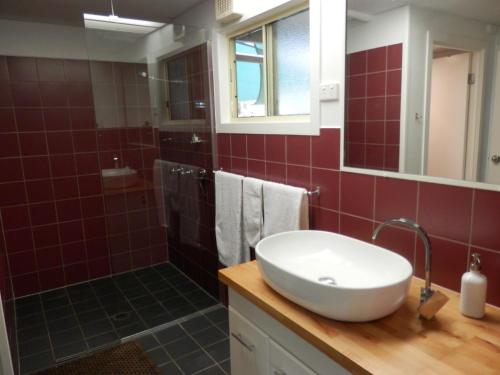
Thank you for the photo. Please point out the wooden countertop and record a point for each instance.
(397, 344)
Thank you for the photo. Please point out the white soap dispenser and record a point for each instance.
(473, 290)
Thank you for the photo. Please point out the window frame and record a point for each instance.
(267, 38)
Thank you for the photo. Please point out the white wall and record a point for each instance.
(385, 29)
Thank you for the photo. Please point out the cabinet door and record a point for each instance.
(282, 362)
(248, 345)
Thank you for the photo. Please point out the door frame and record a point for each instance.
(478, 50)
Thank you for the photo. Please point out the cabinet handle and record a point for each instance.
(279, 372)
(241, 340)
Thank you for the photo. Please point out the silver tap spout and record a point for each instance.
(426, 292)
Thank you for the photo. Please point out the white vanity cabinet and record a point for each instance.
(260, 345)
(248, 345)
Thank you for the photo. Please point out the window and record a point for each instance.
(270, 75)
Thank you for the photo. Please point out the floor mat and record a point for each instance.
(126, 359)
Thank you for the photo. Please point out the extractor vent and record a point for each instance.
(225, 11)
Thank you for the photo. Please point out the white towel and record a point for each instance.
(286, 208)
(228, 218)
(253, 218)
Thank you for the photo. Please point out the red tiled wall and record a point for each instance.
(60, 226)
(458, 220)
(373, 108)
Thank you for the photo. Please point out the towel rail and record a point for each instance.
(310, 193)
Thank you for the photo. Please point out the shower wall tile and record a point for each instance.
(57, 227)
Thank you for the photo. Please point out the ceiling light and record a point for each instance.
(115, 23)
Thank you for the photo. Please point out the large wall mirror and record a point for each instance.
(423, 88)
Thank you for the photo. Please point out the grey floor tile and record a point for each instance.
(167, 294)
(181, 347)
(62, 324)
(143, 301)
(28, 301)
(170, 369)
(87, 305)
(59, 313)
(158, 356)
(194, 362)
(170, 334)
(214, 370)
(91, 316)
(117, 308)
(182, 311)
(70, 349)
(224, 327)
(110, 300)
(218, 315)
(56, 293)
(97, 328)
(28, 310)
(148, 342)
(219, 351)
(158, 320)
(80, 293)
(196, 324)
(131, 329)
(29, 321)
(66, 337)
(135, 292)
(151, 310)
(36, 362)
(38, 345)
(226, 366)
(102, 339)
(56, 302)
(32, 333)
(208, 336)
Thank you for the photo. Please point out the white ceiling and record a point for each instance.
(69, 12)
(482, 10)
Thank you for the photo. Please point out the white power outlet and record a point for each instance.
(329, 91)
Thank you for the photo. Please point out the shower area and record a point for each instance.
(106, 195)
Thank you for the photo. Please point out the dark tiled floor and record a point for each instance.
(75, 320)
(198, 346)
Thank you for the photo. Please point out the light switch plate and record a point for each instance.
(329, 91)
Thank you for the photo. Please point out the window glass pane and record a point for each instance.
(291, 65)
(250, 74)
(178, 89)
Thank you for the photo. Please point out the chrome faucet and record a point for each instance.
(426, 292)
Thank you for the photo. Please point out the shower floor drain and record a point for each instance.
(120, 317)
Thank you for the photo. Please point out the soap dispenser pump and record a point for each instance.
(473, 290)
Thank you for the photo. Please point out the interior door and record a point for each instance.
(493, 162)
(448, 116)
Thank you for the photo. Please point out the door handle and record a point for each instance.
(242, 341)
(279, 372)
(495, 159)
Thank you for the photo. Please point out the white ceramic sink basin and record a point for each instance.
(334, 275)
(116, 178)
